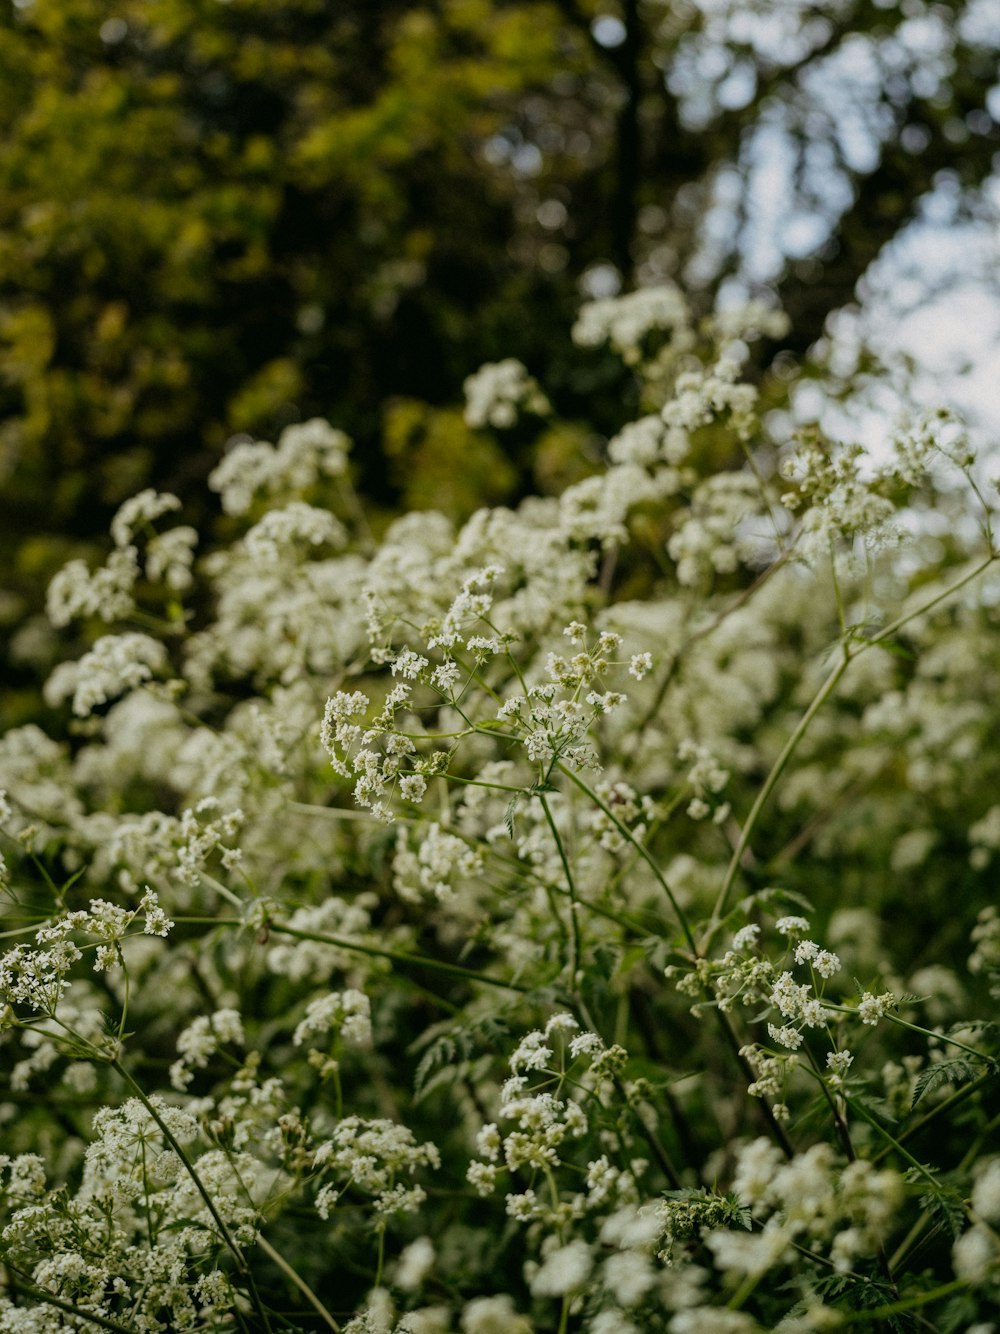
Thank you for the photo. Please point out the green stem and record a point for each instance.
(381, 1257)
(960, 1095)
(375, 951)
(904, 1304)
(894, 1143)
(656, 703)
(298, 1282)
(777, 769)
(398, 956)
(574, 961)
(773, 1124)
(931, 603)
(827, 688)
(643, 852)
(940, 1037)
(101, 1321)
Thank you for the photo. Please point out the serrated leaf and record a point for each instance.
(508, 815)
(959, 1071)
(944, 1203)
(785, 898)
(441, 1052)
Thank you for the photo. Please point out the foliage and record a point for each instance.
(221, 218)
(557, 921)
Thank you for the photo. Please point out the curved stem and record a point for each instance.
(297, 1281)
(904, 1304)
(50, 1299)
(640, 848)
(777, 769)
(574, 925)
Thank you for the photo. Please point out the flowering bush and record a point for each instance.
(577, 921)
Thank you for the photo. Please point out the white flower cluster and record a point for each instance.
(544, 1123)
(371, 1156)
(116, 664)
(149, 846)
(625, 321)
(106, 592)
(304, 455)
(554, 716)
(439, 868)
(202, 1038)
(96, 1251)
(346, 1014)
(847, 1210)
(378, 774)
(624, 806)
(38, 978)
(499, 391)
(704, 396)
(140, 512)
(721, 529)
(269, 540)
(706, 779)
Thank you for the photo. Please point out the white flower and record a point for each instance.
(986, 1192)
(497, 391)
(640, 664)
(746, 937)
(107, 592)
(139, 512)
(347, 1013)
(305, 453)
(493, 1315)
(629, 1276)
(872, 1008)
(415, 1263)
(975, 1256)
(116, 664)
(791, 926)
(565, 1270)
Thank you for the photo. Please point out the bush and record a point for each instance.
(630, 988)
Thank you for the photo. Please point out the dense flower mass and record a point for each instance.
(576, 919)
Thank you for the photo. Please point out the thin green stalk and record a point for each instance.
(298, 1282)
(661, 691)
(346, 813)
(381, 1257)
(398, 956)
(574, 961)
(827, 688)
(774, 1125)
(932, 602)
(777, 769)
(476, 782)
(904, 1304)
(960, 1095)
(940, 1037)
(891, 1140)
(101, 1321)
(643, 852)
(375, 951)
(844, 1132)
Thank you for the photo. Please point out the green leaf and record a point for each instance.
(961, 1070)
